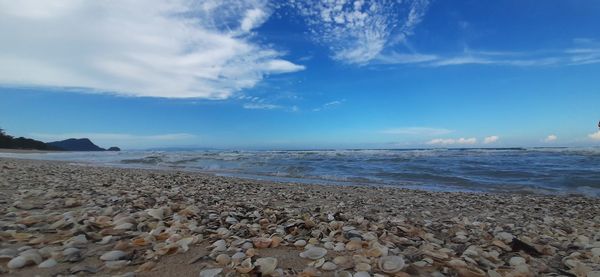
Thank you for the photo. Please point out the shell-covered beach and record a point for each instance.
(60, 219)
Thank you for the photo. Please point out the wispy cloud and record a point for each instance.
(357, 31)
(261, 106)
(550, 138)
(329, 105)
(490, 139)
(595, 136)
(174, 49)
(450, 141)
(417, 131)
(582, 52)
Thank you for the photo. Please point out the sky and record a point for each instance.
(313, 74)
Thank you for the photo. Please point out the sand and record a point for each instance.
(435, 233)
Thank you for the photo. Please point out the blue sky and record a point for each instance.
(312, 74)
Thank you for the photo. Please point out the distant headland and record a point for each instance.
(72, 144)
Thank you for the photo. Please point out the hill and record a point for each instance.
(73, 144)
(10, 142)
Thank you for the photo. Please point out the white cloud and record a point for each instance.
(420, 131)
(260, 106)
(122, 139)
(491, 139)
(460, 141)
(358, 31)
(595, 136)
(550, 138)
(155, 48)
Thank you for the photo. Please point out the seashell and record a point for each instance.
(314, 253)
(212, 272)
(124, 226)
(343, 273)
(105, 240)
(362, 267)
(276, 241)
(8, 253)
(145, 267)
(32, 255)
(185, 242)
(329, 266)
(156, 213)
(251, 252)
(245, 267)
(223, 259)
(237, 257)
(262, 242)
(377, 250)
(266, 265)
(71, 251)
(318, 263)
(391, 264)
(77, 241)
(113, 255)
(300, 243)
(354, 245)
(361, 274)
(515, 261)
(116, 264)
(48, 263)
(18, 262)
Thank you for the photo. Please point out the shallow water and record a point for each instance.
(535, 170)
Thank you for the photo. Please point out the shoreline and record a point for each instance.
(169, 222)
(579, 192)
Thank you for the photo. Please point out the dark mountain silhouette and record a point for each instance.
(73, 144)
(10, 142)
(113, 148)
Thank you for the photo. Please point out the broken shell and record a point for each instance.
(314, 253)
(18, 262)
(156, 213)
(266, 265)
(391, 264)
(262, 242)
(245, 267)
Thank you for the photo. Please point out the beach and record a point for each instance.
(59, 218)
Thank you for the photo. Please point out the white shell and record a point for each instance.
(48, 263)
(391, 264)
(105, 240)
(113, 255)
(314, 253)
(212, 272)
(17, 262)
(267, 265)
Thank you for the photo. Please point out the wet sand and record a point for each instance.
(168, 223)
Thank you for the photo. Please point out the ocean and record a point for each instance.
(517, 170)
